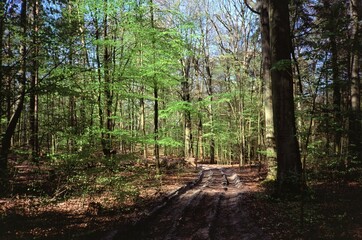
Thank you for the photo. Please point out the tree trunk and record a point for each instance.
(210, 107)
(10, 130)
(2, 81)
(155, 95)
(267, 92)
(142, 114)
(107, 142)
(99, 73)
(288, 155)
(187, 113)
(355, 128)
(33, 105)
(336, 83)
(336, 97)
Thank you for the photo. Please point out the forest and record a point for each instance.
(180, 119)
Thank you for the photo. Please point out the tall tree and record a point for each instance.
(11, 127)
(186, 97)
(155, 94)
(355, 128)
(33, 108)
(107, 60)
(288, 155)
(267, 90)
(208, 75)
(3, 12)
(333, 10)
(261, 7)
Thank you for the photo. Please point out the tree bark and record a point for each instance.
(155, 95)
(33, 105)
(187, 113)
(142, 114)
(288, 155)
(267, 92)
(2, 81)
(211, 113)
(355, 128)
(107, 142)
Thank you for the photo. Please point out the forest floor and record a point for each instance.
(212, 202)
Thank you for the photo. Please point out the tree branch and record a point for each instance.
(251, 8)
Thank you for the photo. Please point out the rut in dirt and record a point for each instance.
(210, 208)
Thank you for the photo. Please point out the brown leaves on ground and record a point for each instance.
(331, 211)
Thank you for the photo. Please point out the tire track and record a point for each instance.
(209, 208)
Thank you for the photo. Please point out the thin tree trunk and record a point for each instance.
(2, 81)
(336, 97)
(107, 142)
(142, 111)
(355, 128)
(331, 25)
(210, 107)
(99, 73)
(199, 148)
(155, 121)
(187, 113)
(10, 130)
(71, 101)
(155, 95)
(34, 125)
(143, 123)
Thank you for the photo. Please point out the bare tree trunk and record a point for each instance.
(107, 142)
(2, 81)
(99, 73)
(336, 97)
(336, 84)
(199, 144)
(34, 124)
(267, 93)
(143, 123)
(187, 113)
(355, 128)
(105, 121)
(210, 107)
(155, 95)
(288, 155)
(212, 139)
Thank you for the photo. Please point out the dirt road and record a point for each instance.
(210, 208)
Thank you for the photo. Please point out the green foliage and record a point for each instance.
(87, 175)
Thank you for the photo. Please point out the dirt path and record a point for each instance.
(210, 208)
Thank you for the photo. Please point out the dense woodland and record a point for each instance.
(88, 84)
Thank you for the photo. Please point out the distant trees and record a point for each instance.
(335, 20)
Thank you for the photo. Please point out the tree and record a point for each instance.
(261, 7)
(288, 155)
(3, 13)
(155, 94)
(267, 90)
(11, 127)
(33, 106)
(355, 128)
(186, 65)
